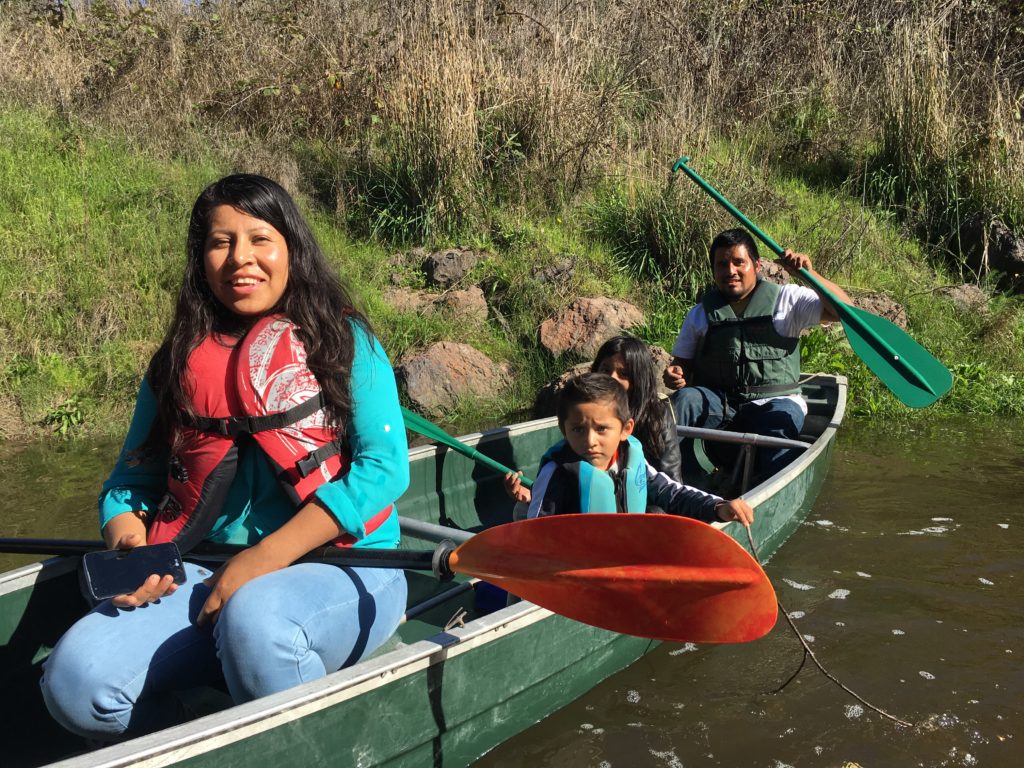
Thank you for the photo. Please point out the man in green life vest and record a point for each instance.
(736, 361)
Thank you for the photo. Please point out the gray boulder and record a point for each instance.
(966, 297)
(547, 398)
(880, 304)
(445, 268)
(468, 304)
(408, 300)
(774, 272)
(988, 245)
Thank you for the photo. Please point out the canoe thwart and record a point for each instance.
(741, 438)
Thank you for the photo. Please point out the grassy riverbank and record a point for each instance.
(863, 136)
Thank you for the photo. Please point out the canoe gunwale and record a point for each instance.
(762, 494)
(33, 573)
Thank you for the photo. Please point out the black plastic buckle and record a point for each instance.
(308, 464)
(233, 426)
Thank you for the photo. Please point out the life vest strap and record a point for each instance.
(318, 457)
(233, 426)
(768, 389)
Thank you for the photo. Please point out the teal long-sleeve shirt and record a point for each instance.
(256, 505)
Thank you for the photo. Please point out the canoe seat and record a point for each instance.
(814, 425)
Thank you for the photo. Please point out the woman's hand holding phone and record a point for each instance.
(153, 588)
(124, 535)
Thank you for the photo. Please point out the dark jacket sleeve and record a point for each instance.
(678, 499)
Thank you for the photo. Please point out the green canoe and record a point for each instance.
(452, 684)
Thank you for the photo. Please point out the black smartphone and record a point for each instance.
(121, 571)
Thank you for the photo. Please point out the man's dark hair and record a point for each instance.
(592, 388)
(731, 238)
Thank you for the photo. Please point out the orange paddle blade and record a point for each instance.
(657, 576)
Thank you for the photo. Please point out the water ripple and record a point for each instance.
(687, 648)
(797, 584)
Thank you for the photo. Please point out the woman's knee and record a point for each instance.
(262, 610)
(287, 600)
(388, 593)
(99, 680)
(278, 632)
(80, 696)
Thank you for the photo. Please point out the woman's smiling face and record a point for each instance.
(246, 262)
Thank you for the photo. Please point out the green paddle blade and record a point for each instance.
(909, 370)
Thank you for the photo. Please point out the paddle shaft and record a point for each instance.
(845, 312)
(421, 426)
(416, 529)
(435, 560)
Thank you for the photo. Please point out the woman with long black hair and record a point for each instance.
(268, 417)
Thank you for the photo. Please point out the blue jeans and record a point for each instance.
(778, 417)
(114, 673)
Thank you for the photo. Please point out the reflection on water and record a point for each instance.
(51, 491)
(906, 580)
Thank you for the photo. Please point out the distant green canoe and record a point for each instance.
(453, 683)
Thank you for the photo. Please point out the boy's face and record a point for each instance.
(593, 431)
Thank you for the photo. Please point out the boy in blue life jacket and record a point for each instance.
(600, 467)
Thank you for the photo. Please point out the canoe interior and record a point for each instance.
(467, 674)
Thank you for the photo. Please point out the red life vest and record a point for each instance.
(258, 389)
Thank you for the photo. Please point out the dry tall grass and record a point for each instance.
(412, 115)
(951, 135)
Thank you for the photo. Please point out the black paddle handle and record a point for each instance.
(435, 560)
